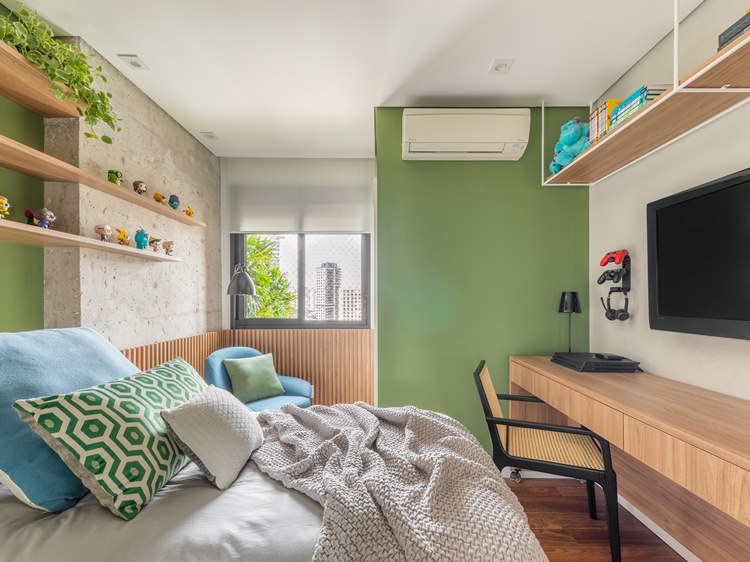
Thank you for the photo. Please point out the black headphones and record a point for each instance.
(612, 313)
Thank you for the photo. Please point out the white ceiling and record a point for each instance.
(300, 78)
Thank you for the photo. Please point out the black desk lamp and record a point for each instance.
(569, 303)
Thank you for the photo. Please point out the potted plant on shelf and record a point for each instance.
(65, 65)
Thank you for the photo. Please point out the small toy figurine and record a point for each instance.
(4, 207)
(141, 239)
(174, 201)
(139, 187)
(43, 218)
(159, 198)
(154, 243)
(168, 246)
(123, 239)
(114, 176)
(189, 211)
(104, 231)
(574, 139)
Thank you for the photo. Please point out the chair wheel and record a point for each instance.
(515, 475)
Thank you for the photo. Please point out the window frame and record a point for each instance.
(239, 320)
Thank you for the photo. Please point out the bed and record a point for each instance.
(348, 482)
(189, 520)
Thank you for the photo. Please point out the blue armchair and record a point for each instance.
(296, 391)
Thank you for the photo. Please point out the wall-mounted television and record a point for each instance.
(699, 259)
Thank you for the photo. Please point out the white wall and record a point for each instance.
(618, 220)
(698, 38)
(278, 173)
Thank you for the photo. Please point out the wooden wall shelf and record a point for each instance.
(667, 118)
(21, 158)
(19, 233)
(28, 86)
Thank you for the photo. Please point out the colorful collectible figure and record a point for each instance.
(4, 207)
(115, 176)
(159, 198)
(141, 239)
(139, 187)
(155, 243)
(189, 211)
(123, 239)
(174, 201)
(168, 246)
(104, 231)
(43, 218)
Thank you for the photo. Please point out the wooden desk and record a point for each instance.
(682, 453)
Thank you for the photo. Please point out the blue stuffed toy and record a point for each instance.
(574, 139)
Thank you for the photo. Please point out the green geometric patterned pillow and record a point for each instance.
(112, 435)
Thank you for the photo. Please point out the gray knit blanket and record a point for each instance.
(395, 484)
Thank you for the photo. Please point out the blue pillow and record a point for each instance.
(42, 363)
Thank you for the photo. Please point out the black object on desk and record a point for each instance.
(596, 362)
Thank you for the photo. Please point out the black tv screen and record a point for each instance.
(699, 259)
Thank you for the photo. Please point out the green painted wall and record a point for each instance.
(22, 267)
(472, 257)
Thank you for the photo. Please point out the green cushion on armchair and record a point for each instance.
(254, 378)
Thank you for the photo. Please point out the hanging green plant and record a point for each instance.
(65, 65)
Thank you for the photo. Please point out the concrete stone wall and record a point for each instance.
(134, 302)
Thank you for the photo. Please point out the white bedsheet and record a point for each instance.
(188, 520)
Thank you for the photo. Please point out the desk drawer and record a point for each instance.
(598, 417)
(720, 483)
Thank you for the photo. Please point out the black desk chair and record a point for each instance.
(554, 449)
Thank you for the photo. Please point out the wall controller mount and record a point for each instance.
(620, 277)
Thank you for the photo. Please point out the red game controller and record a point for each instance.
(616, 257)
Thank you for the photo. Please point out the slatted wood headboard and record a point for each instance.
(340, 363)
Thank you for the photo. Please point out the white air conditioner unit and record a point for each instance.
(465, 134)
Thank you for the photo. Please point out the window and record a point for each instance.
(305, 280)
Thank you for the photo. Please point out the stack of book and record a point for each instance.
(600, 118)
(735, 30)
(634, 103)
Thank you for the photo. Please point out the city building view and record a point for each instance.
(331, 266)
(327, 291)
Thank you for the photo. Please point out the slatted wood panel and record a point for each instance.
(193, 349)
(339, 363)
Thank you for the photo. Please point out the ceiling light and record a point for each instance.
(210, 135)
(133, 61)
(501, 66)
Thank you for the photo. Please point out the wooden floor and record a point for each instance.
(558, 513)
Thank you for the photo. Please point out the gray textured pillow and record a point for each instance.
(217, 432)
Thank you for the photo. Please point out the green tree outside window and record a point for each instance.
(273, 295)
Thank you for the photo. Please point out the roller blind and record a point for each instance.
(286, 195)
